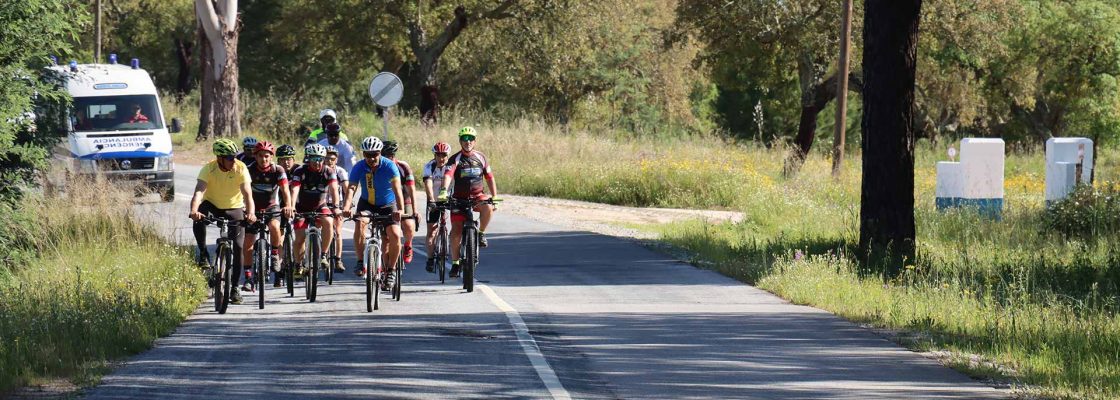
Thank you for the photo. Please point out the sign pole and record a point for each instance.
(385, 122)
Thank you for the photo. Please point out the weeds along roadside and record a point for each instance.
(87, 284)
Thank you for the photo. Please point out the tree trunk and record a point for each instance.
(227, 105)
(183, 52)
(206, 103)
(890, 37)
(819, 95)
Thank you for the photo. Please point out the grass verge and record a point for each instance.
(94, 286)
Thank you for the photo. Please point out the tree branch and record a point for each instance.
(501, 11)
(450, 32)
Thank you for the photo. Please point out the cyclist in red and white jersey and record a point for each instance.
(408, 189)
(433, 182)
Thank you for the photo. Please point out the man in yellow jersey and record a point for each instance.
(224, 189)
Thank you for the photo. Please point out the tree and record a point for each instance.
(30, 106)
(159, 32)
(222, 116)
(788, 41)
(890, 42)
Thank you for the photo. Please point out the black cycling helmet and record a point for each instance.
(285, 151)
(390, 148)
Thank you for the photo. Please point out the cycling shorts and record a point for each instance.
(378, 210)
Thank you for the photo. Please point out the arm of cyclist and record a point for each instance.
(285, 194)
(350, 190)
(493, 186)
(333, 188)
(196, 200)
(247, 198)
(400, 200)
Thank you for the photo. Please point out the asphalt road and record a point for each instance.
(559, 314)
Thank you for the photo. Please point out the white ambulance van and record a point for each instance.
(115, 125)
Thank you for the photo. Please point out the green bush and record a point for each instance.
(1088, 212)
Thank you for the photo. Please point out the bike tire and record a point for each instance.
(470, 238)
(373, 281)
(329, 273)
(262, 264)
(440, 257)
(227, 279)
(313, 255)
(289, 267)
(398, 277)
(216, 272)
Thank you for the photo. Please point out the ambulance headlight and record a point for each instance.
(164, 163)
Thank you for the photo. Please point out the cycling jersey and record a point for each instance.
(223, 188)
(266, 185)
(343, 179)
(345, 152)
(408, 181)
(245, 157)
(312, 186)
(431, 171)
(320, 134)
(376, 182)
(467, 172)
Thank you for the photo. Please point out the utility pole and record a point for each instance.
(97, 51)
(842, 89)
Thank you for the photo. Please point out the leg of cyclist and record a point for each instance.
(277, 240)
(338, 241)
(457, 221)
(485, 211)
(301, 236)
(247, 258)
(392, 248)
(199, 230)
(359, 244)
(409, 230)
(326, 226)
(237, 233)
(430, 242)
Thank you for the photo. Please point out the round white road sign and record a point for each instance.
(386, 89)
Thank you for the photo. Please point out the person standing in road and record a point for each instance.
(223, 189)
(345, 150)
(433, 182)
(326, 117)
(408, 188)
(467, 170)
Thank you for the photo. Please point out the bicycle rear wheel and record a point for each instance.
(470, 238)
(263, 258)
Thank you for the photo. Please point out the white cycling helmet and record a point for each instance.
(315, 150)
(372, 143)
(327, 112)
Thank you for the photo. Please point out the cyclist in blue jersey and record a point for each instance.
(380, 183)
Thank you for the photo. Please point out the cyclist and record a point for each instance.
(248, 144)
(408, 188)
(336, 198)
(381, 194)
(311, 182)
(326, 117)
(223, 189)
(342, 146)
(286, 157)
(270, 185)
(433, 182)
(467, 170)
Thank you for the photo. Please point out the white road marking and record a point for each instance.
(540, 364)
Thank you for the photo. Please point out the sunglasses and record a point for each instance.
(226, 158)
(314, 159)
(371, 153)
(466, 138)
(441, 154)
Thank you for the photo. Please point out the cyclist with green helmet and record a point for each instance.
(224, 189)
(466, 172)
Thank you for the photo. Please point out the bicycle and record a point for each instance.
(468, 251)
(262, 256)
(288, 263)
(312, 253)
(372, 257)
(219, 277)
(332, 259)
(441, 249)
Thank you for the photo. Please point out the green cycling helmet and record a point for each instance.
(225, 147)
(468, 131)
(286, 151)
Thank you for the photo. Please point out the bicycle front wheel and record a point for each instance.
(372, 255)
(329, 273)
(314, 253)
(263, 258)
(289, 264)
(225, 254)
(470, 238)
(398, 275)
